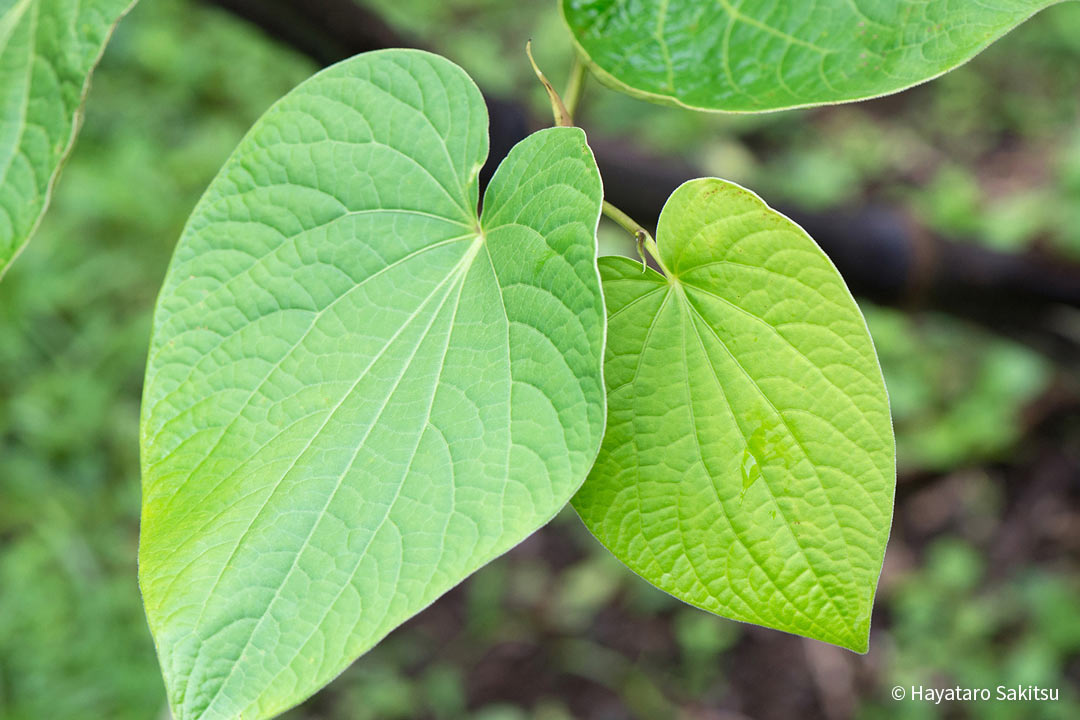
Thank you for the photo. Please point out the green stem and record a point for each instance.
(623, 220)
(563, 118)
(645, 242)
(574, 89)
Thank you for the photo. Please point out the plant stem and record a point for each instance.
(563, 117)
(645, 242)
(623, 220)
(576, 86)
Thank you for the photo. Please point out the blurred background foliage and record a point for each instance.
(980, 587)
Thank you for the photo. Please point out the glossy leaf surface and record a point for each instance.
(359, 391)
(748, 464)
(758, 55)
(48, 49)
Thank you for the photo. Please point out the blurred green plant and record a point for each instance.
(959, 628)
(957, 396)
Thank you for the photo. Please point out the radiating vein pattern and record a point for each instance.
(47, 51)
(748, 463)
(359, 391)
(756, 55)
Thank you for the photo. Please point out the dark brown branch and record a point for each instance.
(325, 30)
(882, 255)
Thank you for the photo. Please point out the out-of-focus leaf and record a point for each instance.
(759, 55)
(48, 49)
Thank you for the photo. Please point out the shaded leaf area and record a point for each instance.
(47, 50)
(759, 55)
(359, 392)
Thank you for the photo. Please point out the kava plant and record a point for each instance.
(364, 384)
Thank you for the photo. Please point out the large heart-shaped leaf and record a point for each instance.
(757, 55)
(748, 465)
(359, 391)
(48, 49)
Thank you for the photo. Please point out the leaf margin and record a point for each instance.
(609, 80)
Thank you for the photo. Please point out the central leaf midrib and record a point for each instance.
(209, 454)
(689, 312)
(809, 363)
(458, 272)
(463, 273)
(674, 288)
(316, 315)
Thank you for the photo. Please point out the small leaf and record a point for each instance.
(760, 55)
(359, 391)
(748, 465)
(48, 48)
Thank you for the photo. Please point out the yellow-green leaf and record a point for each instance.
(748, 464)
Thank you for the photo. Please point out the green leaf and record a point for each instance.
(359, 391)
(759, 55)
(748, 465)
(48, 49)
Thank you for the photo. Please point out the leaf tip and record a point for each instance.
(855, 638)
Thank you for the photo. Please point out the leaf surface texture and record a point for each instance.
(759, 55)
(359, 391)
(748, 465)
